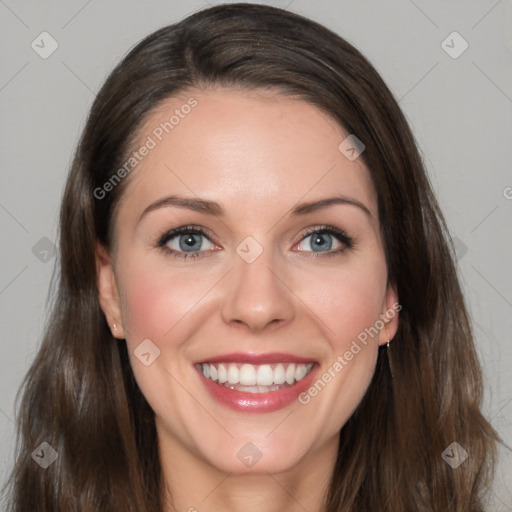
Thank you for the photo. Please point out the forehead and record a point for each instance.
(244, 148)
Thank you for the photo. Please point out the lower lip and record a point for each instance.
(258, 402)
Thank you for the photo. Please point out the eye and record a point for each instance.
(186, 242)
(325, 240)
(193, 242)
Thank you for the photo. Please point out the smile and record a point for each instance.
(252, 378)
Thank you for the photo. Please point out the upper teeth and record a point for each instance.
(260, 375)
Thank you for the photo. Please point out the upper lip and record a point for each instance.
(256, 359)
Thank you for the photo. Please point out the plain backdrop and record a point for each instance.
(459, 106)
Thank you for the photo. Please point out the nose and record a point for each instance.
(257, 295)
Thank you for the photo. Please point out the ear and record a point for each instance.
(389, 315)
(108, 291)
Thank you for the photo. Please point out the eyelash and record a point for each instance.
(342, 237)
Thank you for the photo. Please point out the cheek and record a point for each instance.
(156, 306)
(349, 303)
(153, 302)
(348, 300)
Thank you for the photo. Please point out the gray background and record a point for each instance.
(459, 108)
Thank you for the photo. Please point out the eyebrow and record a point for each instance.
(215, 209)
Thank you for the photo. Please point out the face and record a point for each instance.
(248, 279)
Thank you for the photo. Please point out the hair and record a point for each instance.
(80, 394)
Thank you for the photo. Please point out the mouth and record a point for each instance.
(250, 378)
(266, 384)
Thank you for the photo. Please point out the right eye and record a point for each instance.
(185, 242)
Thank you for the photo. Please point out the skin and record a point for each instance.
(258, 154)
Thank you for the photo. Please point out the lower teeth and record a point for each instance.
(254, 389)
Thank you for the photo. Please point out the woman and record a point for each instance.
(257, 306)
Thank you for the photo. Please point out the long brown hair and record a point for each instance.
(80, 396)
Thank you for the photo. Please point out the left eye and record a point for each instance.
(189, 242)
(319, 241)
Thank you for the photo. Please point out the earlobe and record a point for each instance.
(389, 316)
(108, 292)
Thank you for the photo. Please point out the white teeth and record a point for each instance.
(265, 377)
(255, 389)
(300, 372)
(233, 374)
(279, 374)
(290, 374)
(247, 375)
(222, 374)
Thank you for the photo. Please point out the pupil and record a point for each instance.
(321, 242)
(190, 241)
